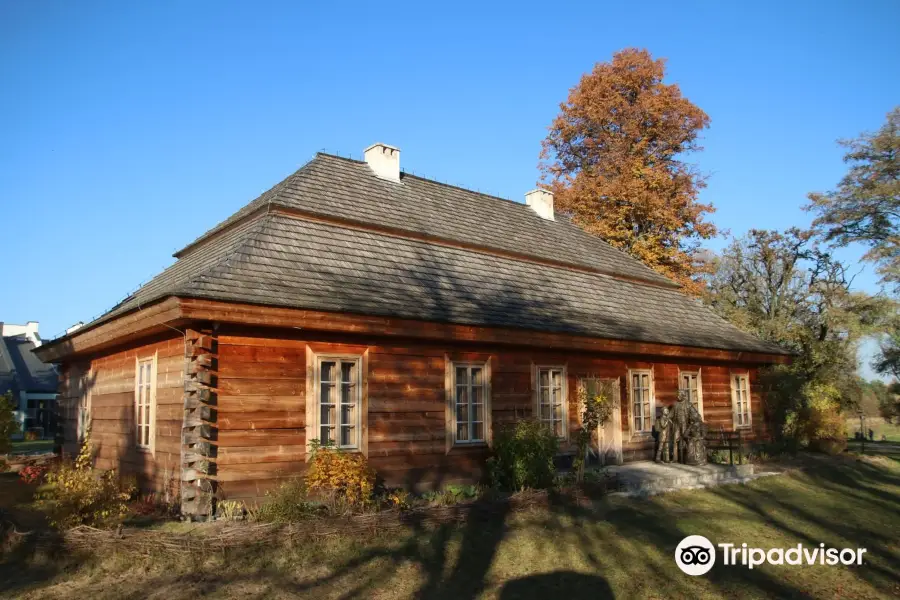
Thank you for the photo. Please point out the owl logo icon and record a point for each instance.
(695, 555)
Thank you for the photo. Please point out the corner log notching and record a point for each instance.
(198, 466)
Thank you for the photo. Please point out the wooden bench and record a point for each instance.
(726, 440)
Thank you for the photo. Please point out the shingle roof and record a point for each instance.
(273, 258)
(21, 370)
(338, 187)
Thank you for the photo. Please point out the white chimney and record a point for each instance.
(541, 202)
(29, 330)
(75, 327)
(384, 161)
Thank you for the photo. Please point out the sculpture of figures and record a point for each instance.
(680, 422)
(687, 432)
(664, 427)
(695, 447)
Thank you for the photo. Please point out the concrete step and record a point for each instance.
(646, 478)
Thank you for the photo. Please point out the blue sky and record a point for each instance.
(128, 129)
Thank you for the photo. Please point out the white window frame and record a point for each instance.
(697, 375)
(83, 410)
(357, 425)
(564, 397)
(651, 402)
(741, 420)
(145, 396)
(452, 415)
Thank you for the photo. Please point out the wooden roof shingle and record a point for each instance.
(515, 270)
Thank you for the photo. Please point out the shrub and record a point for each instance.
(154, 505)
(825, 427)
(523, 457)
(4, 465)
(397, 498)
(596, 411)
(760, 457)
(33, 474)
(230, 510)
(596, 476)
(8, 424)
(452, 494)
(76, 494)
(831, 446)
(287, 504)
(343, 479)
(718, 457)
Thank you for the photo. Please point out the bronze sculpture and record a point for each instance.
(684, 430)
(664, 428)
(681, 421)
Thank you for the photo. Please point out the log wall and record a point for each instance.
(110, 383)
(236, 425)
(261, 414)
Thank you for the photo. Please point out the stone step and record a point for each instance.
(648, 478)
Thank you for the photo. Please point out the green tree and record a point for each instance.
(785, 288)
(865, 207)
(888, 361)
(880, 399)
(8, 423)
(614, 159)
(889, 404)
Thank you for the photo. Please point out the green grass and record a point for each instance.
(609, 547)
(24, 447)
(878, 426)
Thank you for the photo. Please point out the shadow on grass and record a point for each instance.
(560, 584)
(24, 538)
(845, 507)
(584, 546)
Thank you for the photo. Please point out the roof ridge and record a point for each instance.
(427, 180)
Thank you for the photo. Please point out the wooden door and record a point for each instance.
(609, 435)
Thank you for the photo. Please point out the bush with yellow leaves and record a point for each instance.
(77, 494)
(344, 480)
(824, 426)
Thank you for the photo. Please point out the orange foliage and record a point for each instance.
(611, 159)
(344, 478)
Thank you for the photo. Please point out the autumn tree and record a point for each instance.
(865, 207)
(613, 159)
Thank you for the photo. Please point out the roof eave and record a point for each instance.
(163, 313)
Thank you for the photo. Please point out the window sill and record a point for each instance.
(465, 446)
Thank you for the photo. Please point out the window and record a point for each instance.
(690, 383)
(143, 403)
(339, 397)
(642, 401)
(469, 389)
(740, 399)
(550, 389)
(84, 404)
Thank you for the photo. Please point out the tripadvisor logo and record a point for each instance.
(696, 555)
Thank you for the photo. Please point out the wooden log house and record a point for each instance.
(395, 316)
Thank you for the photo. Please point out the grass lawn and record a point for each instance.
(610, 547)
(878, 426)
